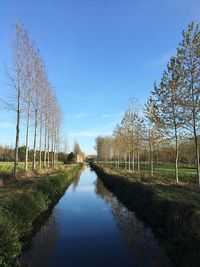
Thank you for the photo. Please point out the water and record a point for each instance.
(90, 227)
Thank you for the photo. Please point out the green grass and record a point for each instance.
(187, 173)
(162, 183)
(21, 202)
(7, 167)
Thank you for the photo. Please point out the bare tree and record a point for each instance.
(152, 132)
(168, 100)
(32, 97)
(17, 76)
(189, 56)
(36, 103)
(30, 54)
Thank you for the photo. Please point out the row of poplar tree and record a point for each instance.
(33, 99)
(171, 114)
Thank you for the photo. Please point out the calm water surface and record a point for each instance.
(90, 227)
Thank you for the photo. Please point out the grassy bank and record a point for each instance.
(6, 168)
(187, 173)
(21, 202)
(172, 211)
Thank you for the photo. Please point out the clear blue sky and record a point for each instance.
(98, 54)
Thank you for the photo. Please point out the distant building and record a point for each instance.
(80, 157)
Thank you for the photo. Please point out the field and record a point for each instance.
(7, 167)
(166, 173)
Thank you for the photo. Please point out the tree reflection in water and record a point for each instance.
(42, 244)
(143, 248)
(77, 179)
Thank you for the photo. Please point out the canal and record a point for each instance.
(90, 227)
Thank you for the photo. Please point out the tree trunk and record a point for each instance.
(195, 133)
(133, 162)
(40, 156)
(138, 153)
(16, 163)
(197, 158)
(151, 159)
(138, 158)
(35, 140)
(133, 156)
(52, 152)
(118, 160)
(176, 139)
(48, 147)
(176, 165)
(27, 131)
(45, 145)
(55, 148)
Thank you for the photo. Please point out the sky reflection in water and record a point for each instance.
(90, 227)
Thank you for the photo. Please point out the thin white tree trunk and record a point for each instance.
(195, 133)
(27, 130)
(138, 159)
(35, 139)
(16, 163)
(48, 147)
(133, 161)
(151, 159)
(176, 165)
(40, 156)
